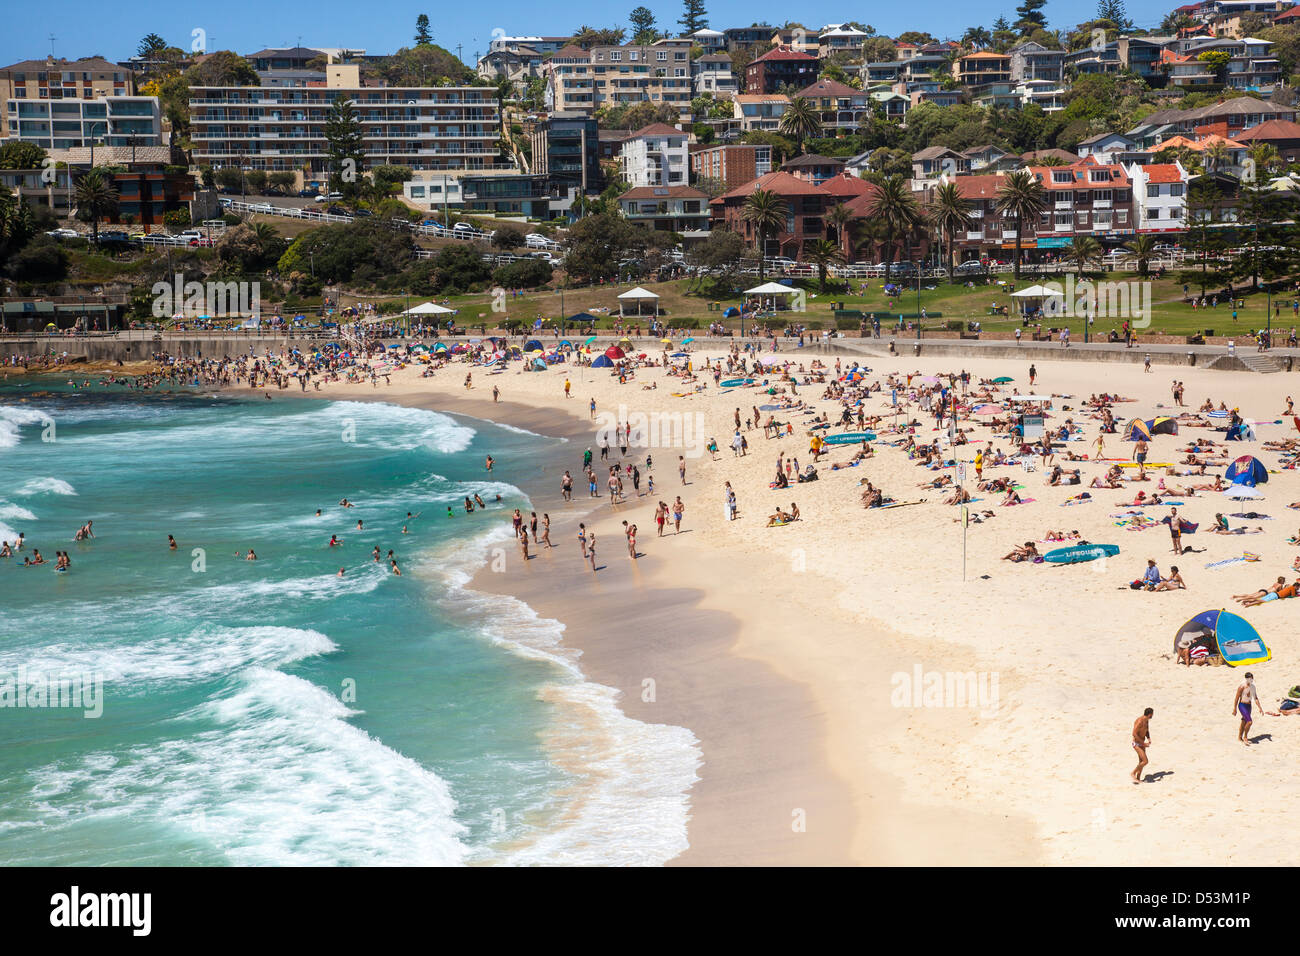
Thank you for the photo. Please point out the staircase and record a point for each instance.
(1247, 361)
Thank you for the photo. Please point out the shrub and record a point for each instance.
(176, 218)
(523, 274)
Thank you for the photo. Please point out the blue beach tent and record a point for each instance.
(1235, 638)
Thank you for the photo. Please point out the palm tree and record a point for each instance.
(1021, 197)
(97, 197)
(766, 212)
(977, 37)
(838, 217)
(1216, 157)
(1265, 156)
(951, 213)
(1083, 250)
(1144, 249)
(264, 234)
(898, 211)
(822, 253)
(801, 120)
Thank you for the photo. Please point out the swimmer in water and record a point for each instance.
(404, 531)
(359, 524)
(479, 501)
(171, 543)
(334, 541)
(252, 555)
(375, 553)
(469, 507)
(340, 574)
(396, 569)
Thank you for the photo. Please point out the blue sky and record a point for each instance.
(82, 27)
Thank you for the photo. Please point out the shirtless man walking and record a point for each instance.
(1241, 705)
(1141, 741)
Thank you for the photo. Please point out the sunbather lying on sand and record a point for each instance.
(1026, 552)
(1258, 597)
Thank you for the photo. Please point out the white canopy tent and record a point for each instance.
(1040, 292)
(771, 290)
(638, 295)
(428, 308)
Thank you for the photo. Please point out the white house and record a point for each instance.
(711, 73)
(1160, 196)
(656, 156)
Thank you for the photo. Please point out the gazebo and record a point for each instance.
(428, 308)
(638, 295)
(772, 290)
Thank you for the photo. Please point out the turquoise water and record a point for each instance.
(271, 712)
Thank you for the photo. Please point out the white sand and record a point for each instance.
(1043, 777)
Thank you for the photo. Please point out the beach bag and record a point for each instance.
(1135, 585)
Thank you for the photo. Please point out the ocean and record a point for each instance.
(270, 712)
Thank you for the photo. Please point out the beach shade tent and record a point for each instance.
(1242, 492)
(639, 296)
(539, 363)
(532, 345)
(1247, 470)
(1137, 430)
(565, 343)
(1240, 432)
(581, 318)
(615, 353)
(1003, 380)
(770, 290)
(1163, 426)
(1226, 634)
(731, 312)
(428, 308)
(602, 361)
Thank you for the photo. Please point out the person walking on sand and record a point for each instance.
(591, 552)
(678, 510)
(546, 530)
(1176, 530)
(496, 394)
(567, 385)
(1100, 445)
(1140, 456)
(681, 467)
(593, 407)
(582, 539)
(1033, 374)
(1246, 697)
(1141, 741)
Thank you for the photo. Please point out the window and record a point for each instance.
(661, 55)
(1065, 177)
(1153, 191)
(1155, 213)
(1176, 189)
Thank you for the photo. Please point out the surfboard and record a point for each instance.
(1081, 552)
(737, 382)
(849, 438)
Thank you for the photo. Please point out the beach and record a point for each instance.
(825, 619)
(878, 686)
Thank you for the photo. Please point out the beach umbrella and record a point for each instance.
(1247, 470)
(1003, 380)
(590, 340)
(688, 341)
(986, 409)
(1242, 492)
(666, 341)
(680, 354)
(929, 379)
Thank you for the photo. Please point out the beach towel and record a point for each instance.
(1216, 565)
(1252, 516)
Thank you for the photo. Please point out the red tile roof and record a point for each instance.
(656, 129)
(847, 184)
(1162, 173)
(781, 53)
(1271, 130)
(978, 187)
(783, 184)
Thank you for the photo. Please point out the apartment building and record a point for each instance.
(711, 74)
(655, 156)
(518, 65)
(934, 161)
(1086, 60)
(779, 67)
(759, 111)
(585, 80)
(63, 124)
(566, 147)
(49, 79)
(425, 128)
(985, 66)
(1141, 55)
(1033, 61)
(1159, 196)
(1087, 198)
(680, 209)
(710, 41)
(733, 164)
(1283, 135)
(740, 38)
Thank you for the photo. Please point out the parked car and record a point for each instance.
(203, 241)
(362, 212)
(971, 267)
(328, 197)
(189, 234)
(536, 240)
(113, 235)
(63, 233)
(337, 211)
(308, 193)
(463, 227)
